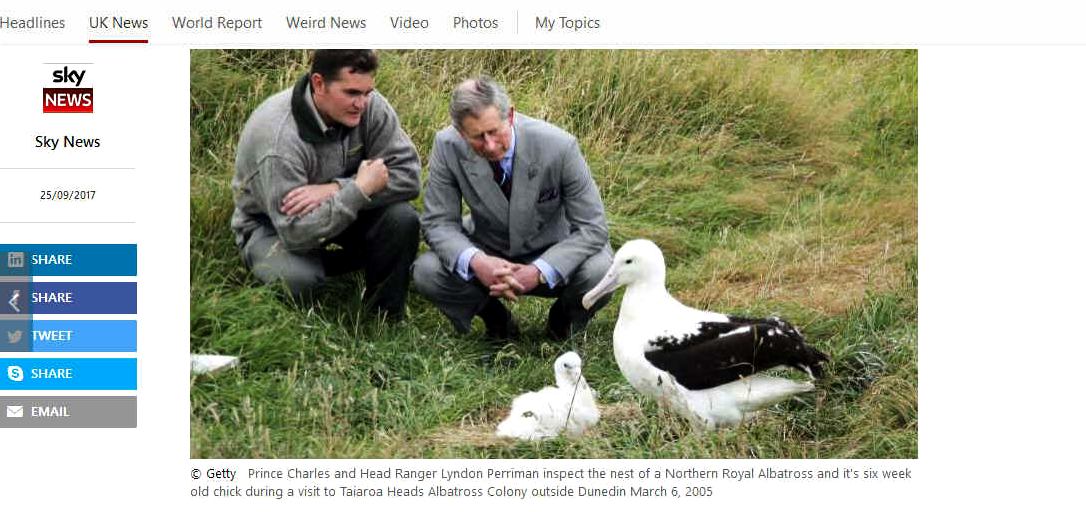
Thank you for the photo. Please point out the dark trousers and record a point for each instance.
(382, 243)
(461, 300)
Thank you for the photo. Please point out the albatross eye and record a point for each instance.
(629, 260)
(527, 414)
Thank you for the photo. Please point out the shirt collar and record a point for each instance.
(507, 160)
(324, 128)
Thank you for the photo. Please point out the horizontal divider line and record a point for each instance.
(67, 222)
(67, 168)
(118, 41)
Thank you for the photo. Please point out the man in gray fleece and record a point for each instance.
(324, 175)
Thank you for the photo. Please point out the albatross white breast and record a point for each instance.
(570, 407)
(702, 364)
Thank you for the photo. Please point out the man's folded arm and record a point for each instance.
(276, 177)
(382, 132)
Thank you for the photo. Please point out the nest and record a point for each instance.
(478, 431)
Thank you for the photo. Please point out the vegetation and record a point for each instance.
(776, 182)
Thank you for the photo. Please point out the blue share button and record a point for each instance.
(67, 259)
(83, 336)
(82, 298)
(68, 374)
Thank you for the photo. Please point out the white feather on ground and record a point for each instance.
(569, 408)
(201, 364)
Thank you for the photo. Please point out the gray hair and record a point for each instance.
(475, 95)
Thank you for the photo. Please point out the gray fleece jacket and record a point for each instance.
(285, 145)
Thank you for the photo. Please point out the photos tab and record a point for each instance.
(467, 24)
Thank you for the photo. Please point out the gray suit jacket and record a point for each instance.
(554, 209)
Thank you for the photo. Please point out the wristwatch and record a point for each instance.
(542, 278)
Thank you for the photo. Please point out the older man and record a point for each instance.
(536, 222)
(324, 176)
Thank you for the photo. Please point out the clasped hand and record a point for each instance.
(504, 278)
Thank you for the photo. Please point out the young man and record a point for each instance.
(537, 224)
(324, 176)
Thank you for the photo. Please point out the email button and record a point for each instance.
(15, 411)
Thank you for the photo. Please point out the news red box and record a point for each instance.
(69, 99)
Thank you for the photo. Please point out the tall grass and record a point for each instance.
(776, 182)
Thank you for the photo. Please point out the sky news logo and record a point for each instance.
(67, 99)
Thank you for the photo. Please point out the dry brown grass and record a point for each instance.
(829, 272)
(478, 431)
(833, 286)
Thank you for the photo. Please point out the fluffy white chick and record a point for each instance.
(570, 407)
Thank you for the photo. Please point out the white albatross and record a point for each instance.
(701, 364)
(544, 414)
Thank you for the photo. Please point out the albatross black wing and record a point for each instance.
(721, 352)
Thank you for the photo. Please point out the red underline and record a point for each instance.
(118, 41)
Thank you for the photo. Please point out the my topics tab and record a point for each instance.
(566, 24)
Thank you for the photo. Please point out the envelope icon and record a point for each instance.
(15, 411)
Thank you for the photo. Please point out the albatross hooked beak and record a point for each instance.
(606, 285)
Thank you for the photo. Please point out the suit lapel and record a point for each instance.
(522, 198)
(481, 178)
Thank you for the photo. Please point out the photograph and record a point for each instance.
(539, 254)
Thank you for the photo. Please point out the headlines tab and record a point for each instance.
(33, 23)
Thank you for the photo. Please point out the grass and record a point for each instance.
(776, 182)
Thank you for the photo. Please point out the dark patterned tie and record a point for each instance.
(506, 187)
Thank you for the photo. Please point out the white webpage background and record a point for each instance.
(1001, 214)
(140, 175)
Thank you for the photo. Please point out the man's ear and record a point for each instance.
(316, 82)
